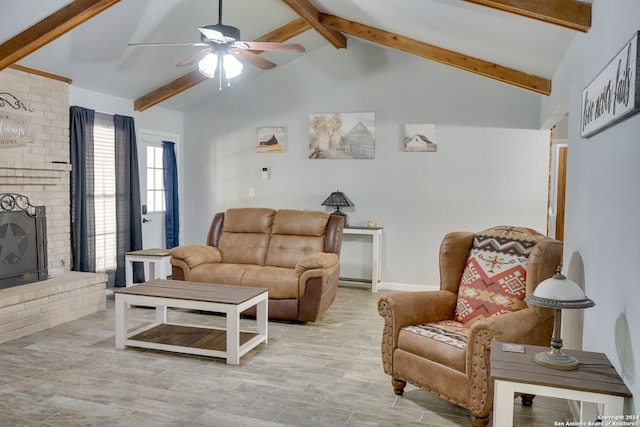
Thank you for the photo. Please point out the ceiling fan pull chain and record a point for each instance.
(220, 67)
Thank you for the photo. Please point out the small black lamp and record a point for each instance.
(338, 199)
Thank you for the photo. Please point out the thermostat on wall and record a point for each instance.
(265, 173)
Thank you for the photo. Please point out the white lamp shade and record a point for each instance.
(232, 67)
(559, 289)
(208, 65)
(559, 292)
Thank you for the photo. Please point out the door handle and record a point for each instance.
(145, 220)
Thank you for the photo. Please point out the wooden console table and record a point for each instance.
(376, 253)
(595, 381)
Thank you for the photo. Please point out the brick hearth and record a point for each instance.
(30, 308)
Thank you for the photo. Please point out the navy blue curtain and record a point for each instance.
(128, 208)
(172, 216)
(83, 248)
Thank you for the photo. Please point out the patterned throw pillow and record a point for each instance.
(494, 279)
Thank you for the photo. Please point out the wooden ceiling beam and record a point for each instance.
(311, 15)
(40, 73)
(572, 14)
(438, 54)
(50, 28)
(187, 81)
(285, 32)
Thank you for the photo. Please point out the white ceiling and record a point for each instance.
(95, 54)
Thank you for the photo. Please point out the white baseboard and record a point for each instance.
(407, 287)
(389, 286)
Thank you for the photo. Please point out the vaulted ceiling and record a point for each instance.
(517, 42)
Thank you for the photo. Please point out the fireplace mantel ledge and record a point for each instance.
(36, 166)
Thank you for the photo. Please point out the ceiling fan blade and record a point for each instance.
(270, 46)
(193, 58)
(214, 35)
(253, 59)
(168, 44)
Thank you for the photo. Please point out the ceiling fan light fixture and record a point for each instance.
(232, 67)
(207, 65)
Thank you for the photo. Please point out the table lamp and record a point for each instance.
(338, 199)
(558, 293)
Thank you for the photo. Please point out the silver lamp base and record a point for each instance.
(556, 359)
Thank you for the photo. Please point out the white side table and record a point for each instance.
(156, 259)
(376, 252)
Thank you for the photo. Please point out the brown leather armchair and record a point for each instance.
(440, 340)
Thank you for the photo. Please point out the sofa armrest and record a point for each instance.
(319, 265)
(194, 255)
(411, 308)
(313, 261)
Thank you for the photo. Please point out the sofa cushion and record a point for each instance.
(245, 235)
(295, 234)
(282, 282)
(494, 279)
(225, 274)
(443, 342)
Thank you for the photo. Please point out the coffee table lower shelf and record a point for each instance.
(190, 339)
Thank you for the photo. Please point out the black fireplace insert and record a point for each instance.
(23, 241)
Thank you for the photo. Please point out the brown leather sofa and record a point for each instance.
(440, 340)
(295, 254)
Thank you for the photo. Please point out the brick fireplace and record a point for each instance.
(40, 170)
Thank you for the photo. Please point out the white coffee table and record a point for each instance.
(230, 343)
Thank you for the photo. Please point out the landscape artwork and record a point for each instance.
(271, 139)
(420, 137)
(342, 136)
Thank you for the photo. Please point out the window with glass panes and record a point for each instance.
(155, 182)
(104, 163)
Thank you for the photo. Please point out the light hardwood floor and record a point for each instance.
(326, 373)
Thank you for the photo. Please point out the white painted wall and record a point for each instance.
(484, 173)
(603, 200)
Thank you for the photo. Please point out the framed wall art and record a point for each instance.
(420, 137)
(342, 136)
(271, 139)
(614, 94)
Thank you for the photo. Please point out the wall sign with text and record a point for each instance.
(615, 93)
(14, 126)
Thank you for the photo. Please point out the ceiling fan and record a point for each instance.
(225, 52)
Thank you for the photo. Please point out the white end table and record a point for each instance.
(376, 252)
(156, 259)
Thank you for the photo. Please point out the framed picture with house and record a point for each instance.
(271, 139)
(420, 137)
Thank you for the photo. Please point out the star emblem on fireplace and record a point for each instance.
(13, 243)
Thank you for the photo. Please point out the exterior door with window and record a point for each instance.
(152, 188)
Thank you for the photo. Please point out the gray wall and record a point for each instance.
(485, 172)
(603, 200)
